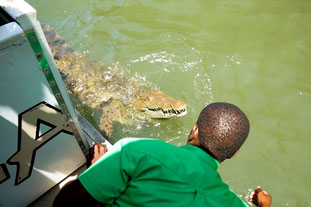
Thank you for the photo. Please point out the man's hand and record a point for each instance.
(96, 152)
(261, 198)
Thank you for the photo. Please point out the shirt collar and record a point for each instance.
(203, 155)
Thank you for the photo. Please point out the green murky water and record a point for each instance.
(255, 54)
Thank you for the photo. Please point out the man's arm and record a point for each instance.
(105, 180)
(261, 198)
(74, 194)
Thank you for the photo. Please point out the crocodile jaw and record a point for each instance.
(158, 105)
(159, 113)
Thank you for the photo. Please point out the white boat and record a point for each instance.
(43, 139)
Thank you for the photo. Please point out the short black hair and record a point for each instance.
(223, 128)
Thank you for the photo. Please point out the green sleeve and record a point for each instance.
(107, 178)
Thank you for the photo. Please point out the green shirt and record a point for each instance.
(149, 172)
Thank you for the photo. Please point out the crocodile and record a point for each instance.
(109, 94)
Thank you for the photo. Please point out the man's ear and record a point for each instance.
(193, 138)
(195, 129)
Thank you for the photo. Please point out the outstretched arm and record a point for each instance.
(261, 198)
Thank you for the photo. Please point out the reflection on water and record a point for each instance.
(255, 54)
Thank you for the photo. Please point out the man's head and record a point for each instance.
(221, 129)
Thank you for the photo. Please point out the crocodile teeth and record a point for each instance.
(170, 111)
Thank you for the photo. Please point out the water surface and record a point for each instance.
(255, 54)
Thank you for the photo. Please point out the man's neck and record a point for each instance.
(205, 150)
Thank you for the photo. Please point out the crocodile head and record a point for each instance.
(157, 104)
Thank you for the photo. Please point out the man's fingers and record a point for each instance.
(258, 189)
(102, 149)
(99, 150)
(254, 195)
(96, 148)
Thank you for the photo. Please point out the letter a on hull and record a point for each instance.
(30, 139)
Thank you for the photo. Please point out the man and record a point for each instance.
(149, 172)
